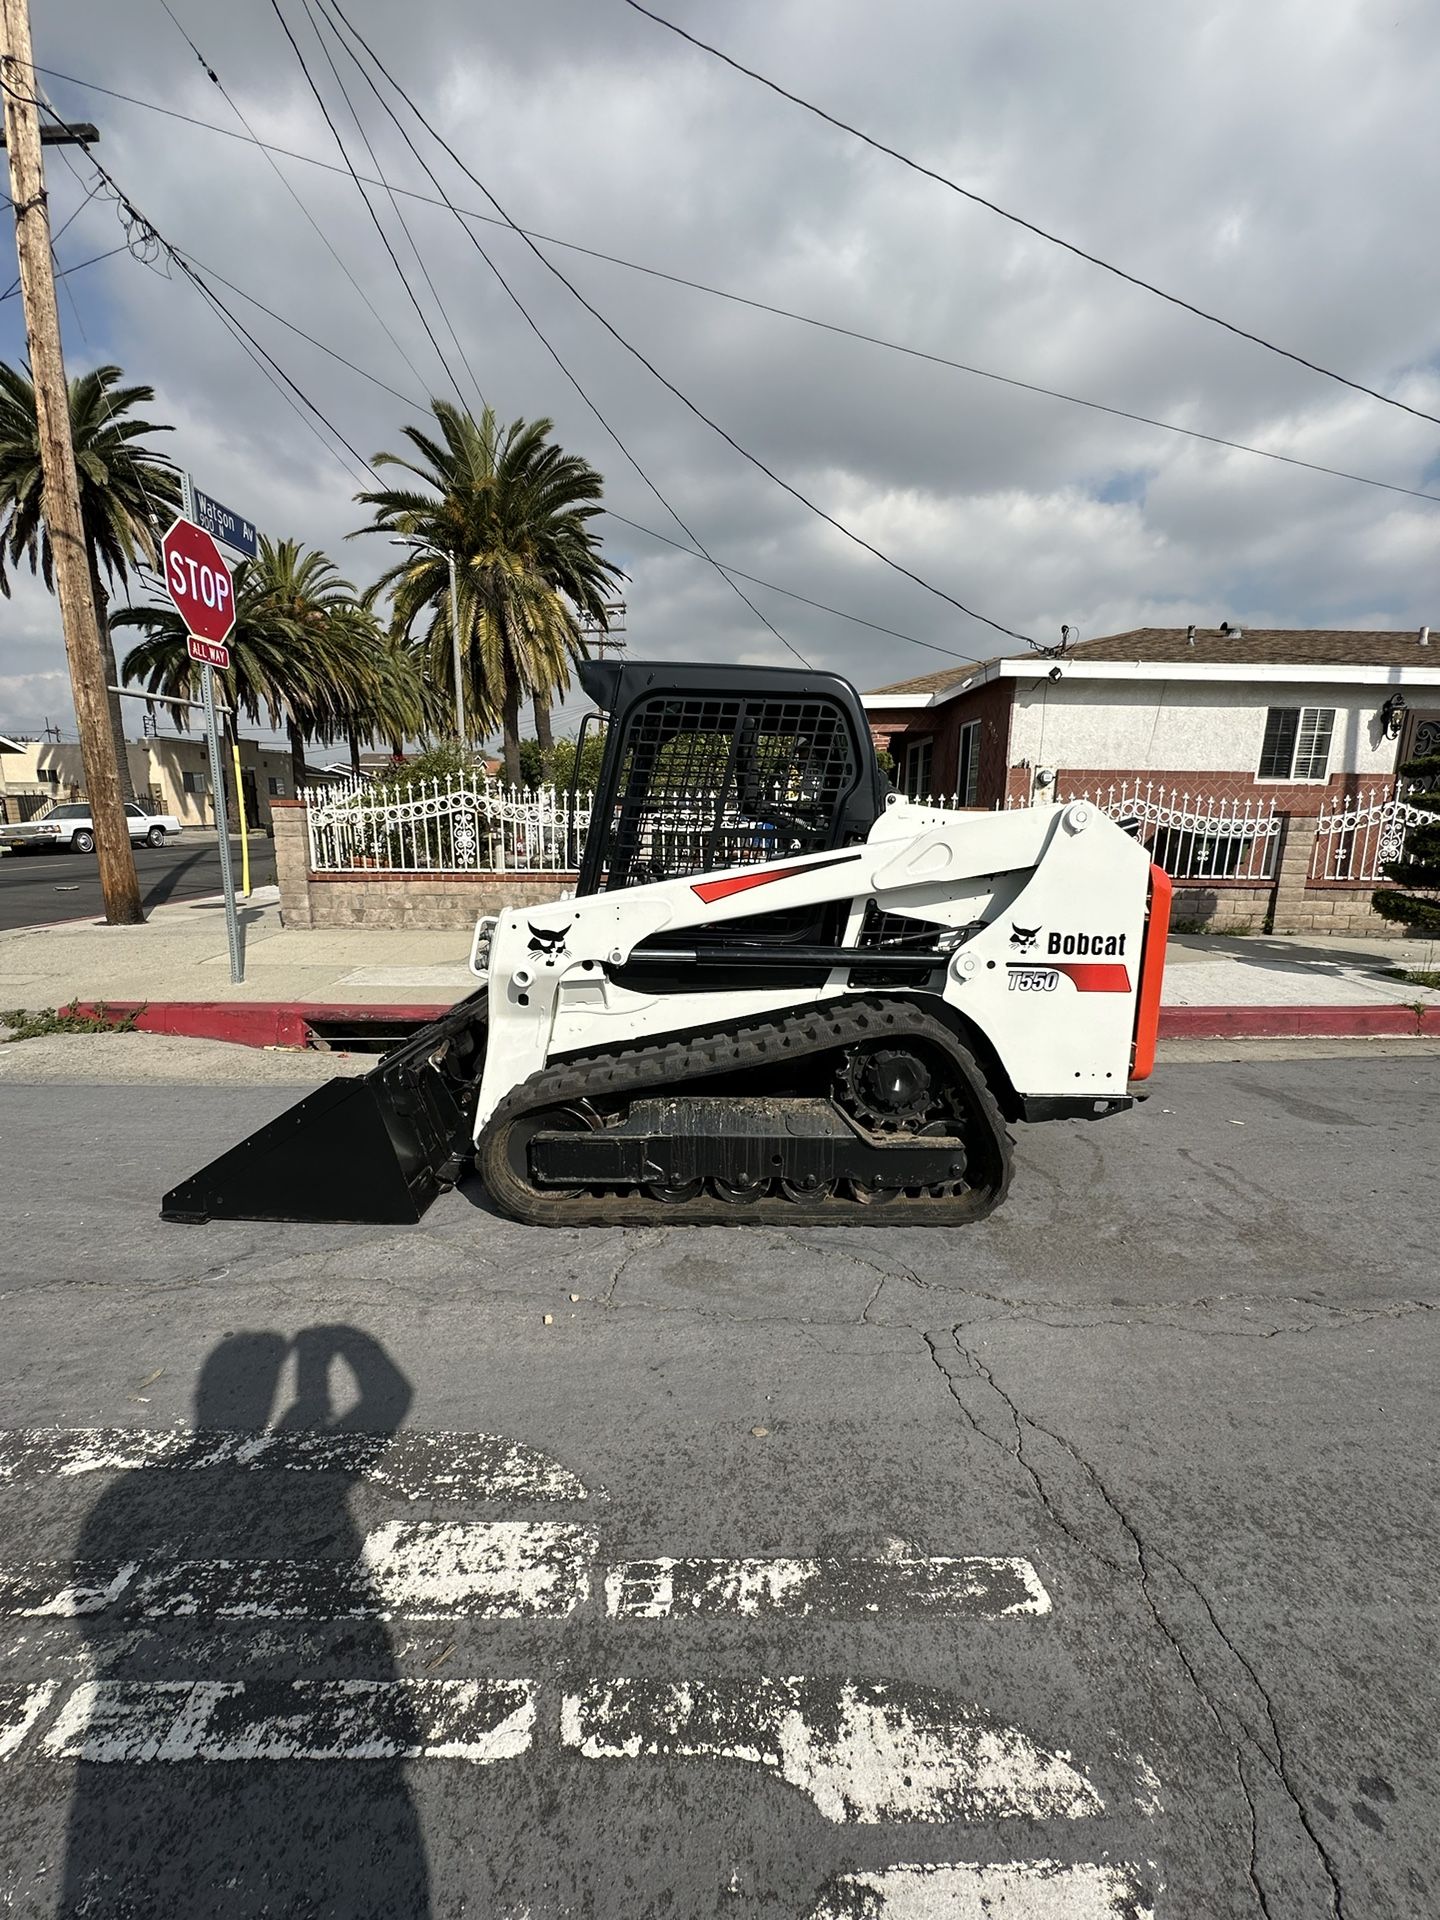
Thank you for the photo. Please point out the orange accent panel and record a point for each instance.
(1152, 975)
(709, 890)
(1095, 976)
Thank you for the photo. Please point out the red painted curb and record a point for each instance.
(1273, 1023)
(285, 1023)
(248, 1023)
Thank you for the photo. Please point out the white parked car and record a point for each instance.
(70, 826)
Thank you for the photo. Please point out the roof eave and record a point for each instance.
(1287, 673)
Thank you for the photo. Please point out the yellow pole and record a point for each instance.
(244, 831)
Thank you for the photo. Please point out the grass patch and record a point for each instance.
(1423, 977)
(33, 1023)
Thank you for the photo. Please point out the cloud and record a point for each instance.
(1270, 165)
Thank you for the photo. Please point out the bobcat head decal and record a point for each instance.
(1023, 938)
(547, 939)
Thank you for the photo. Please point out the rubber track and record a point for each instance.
(672, 1066)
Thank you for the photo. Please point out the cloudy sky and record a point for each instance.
(1275, 164)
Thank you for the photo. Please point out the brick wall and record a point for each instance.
(449, 902)
(990, 705)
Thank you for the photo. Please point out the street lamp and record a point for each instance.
(415, 541)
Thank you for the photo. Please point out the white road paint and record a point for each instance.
(502, 1569)
(862, 1752)
(20, 1708)
(423, 1570)
(414, 1465)
(115, 1721)
(63, 1593)
(894, 1588)
(1029, 1890)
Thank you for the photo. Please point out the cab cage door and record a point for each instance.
(695, 781)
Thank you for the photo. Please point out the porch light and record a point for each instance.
(1392, 715)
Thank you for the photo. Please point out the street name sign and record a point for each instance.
(223, 523)
(198, 581)
(209, 653)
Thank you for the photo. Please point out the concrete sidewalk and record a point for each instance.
(180, 955)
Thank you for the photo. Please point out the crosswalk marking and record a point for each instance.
(831, 1588)
(862, 1752)
(120, 1721)
(1017, 1890)
(503, 1569)
(413, 1464)
(20, 1708)
(420, 1570)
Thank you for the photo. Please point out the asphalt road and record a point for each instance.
(36, 888)
(1082, 1562)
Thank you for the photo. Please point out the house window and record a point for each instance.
(1297, 743)
(967, 778)
(193, 782)
(915, 769)
(277, 791)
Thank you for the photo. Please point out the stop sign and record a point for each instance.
(198, 581)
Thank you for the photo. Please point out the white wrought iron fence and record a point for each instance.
(457, 824)
(1354, 839)
(1194, 837)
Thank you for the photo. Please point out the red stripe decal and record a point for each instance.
(1095, 976)
(709, 890)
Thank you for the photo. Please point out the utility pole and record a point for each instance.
(88, 678)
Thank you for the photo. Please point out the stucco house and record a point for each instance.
(172, 770)
(1293, 715)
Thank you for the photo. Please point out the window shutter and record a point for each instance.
(1277, 754)
(1312, 753)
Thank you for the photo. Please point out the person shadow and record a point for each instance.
(238, 1839)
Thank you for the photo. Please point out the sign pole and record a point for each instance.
(217, 782)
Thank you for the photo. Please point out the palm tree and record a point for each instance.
(514, 510)
(128, 495)
(382, 694)
(295, 656)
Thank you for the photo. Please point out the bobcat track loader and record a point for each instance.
(780, 993)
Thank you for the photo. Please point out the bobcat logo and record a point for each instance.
(547, 940)
(1023, 938)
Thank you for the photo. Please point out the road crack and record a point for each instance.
(1141, 1563)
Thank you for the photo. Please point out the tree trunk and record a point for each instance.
(545, 735)
(354, 754)
(299, 774)
(112, 680)
(510, 718)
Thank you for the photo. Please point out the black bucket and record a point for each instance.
(375, 1150)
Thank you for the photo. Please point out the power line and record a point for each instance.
(1018, 220)
(411, 401)
(364, 373)
(614, 332)
(393, 198)
(535, 328)
(789, 593)
(365, 198)
(762, 306)
(324, 237)
(141, 231)
(79, 267)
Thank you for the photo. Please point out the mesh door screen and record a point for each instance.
(716, 782)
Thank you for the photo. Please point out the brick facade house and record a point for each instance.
(1283, 714)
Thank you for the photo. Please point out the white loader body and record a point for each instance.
(1047, 906)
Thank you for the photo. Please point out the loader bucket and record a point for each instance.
(375, 1150)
